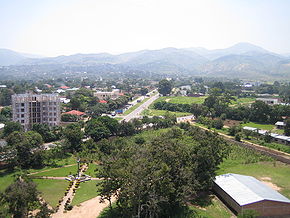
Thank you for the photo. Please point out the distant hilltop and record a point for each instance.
(243, 60)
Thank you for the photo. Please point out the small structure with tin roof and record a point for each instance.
(242, 193)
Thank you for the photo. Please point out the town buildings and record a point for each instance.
(114, 94)
(29, 109)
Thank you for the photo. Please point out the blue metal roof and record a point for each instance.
(246, 189)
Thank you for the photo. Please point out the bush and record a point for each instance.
(238, 137)
(69, 118)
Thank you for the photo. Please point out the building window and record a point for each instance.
(22, 121)
(22, 110)
(22, 104)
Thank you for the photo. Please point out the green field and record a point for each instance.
(6, 178)
(135, 106)
(259, 125)
(59, 172)
(153, 112)
(243, 101)
(182, 99)
(51, 190)
(91, 171)
(86, 191)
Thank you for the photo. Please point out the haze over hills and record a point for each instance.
(243, 60)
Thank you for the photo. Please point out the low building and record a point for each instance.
(280, 125)
(185, 119)
(270, 101)
(2, 125)
(241, 193)
(114, 94)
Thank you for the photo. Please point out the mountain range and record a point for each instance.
(243, 60)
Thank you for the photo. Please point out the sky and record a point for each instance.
(64, 27)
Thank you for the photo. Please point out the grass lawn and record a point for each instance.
(6, 178)
(153, 112)
(182, 99)
(118, 118)
(58, 163)
(86, 191)
(243, 101)
(259, 125)
(51, 190)
(91, 171)
(135, 106)
(59, 172)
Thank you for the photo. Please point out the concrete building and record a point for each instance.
(280, 125)
(241, 193)
(29, 109)
(114, 94)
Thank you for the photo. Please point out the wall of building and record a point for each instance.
(270, 208)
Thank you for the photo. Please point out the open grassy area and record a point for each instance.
(118, 118)
(153, 112)
(135, 106)
(259, 125)
(86, 191)
(92, 170)
(243, 101)
(6, 178)
(58, 163)
(182, 99)
(51, 190)
(59, 172)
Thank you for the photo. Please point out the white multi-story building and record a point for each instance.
(29, 109)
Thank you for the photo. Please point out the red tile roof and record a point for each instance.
(103, 101)
(75, 112)
(64, 87)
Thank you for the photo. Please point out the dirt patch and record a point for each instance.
(267, 181)
(230, 123)
(88, 209)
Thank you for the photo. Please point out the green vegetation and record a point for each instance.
(153, 112)
(86, 191)
(182, 99)
(135, 106)
(273, 145)
(242, 101)
(6, 178)
(259, 125)
(92, 170)
(59, 172)
(51, 190)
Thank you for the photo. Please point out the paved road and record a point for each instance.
(137, 112)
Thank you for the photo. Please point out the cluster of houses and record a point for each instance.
(275, 137)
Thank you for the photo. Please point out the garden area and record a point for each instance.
(182, 99)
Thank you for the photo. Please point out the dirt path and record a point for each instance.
(51, 169)
(70, 196)
(63, 178)
(88, 209)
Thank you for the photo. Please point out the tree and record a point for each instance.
(287, 127)
(97, 130)
(11, 127)
(45, 131)
(143, 91)
(146, 180)
(73, 136)
(20, 197)
(69, 118)
(165, 87)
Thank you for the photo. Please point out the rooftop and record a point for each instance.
(246, 189)
(75, 112)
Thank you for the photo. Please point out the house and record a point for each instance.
(241, 193)
(280, 125)
(2, 125)
(103, 101)
(64, 87)
(75, 112)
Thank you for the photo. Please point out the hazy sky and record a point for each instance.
(55, 27)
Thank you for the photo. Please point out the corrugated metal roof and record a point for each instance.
(246, 189)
